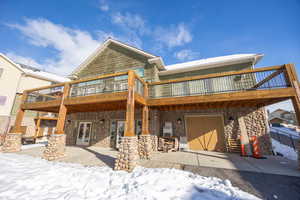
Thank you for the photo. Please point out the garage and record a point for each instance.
(205, 132)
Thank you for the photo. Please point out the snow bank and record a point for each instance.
(285, 150)
(30, 146)
(24, 177)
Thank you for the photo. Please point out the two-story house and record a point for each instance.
(123, 97)
(14, 79)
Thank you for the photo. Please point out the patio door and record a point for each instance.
(120, 132)
(84, 133)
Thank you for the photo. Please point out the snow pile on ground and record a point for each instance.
(30, 146)
(285, 150)
(25, 177)
(286, 131)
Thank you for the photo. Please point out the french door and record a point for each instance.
(84, 133)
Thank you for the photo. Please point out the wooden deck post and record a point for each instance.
(20, 115)
(62, 111)
(129, 124)
(145, 114)
(13, 140)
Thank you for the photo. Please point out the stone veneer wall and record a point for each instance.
(254, 120)
(101, 132)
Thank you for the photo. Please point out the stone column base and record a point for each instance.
(145, 146)
(12, 142)
(56, 147)
(128, 154)
(154, 141)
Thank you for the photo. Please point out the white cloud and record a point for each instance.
(23, 60)
(104, 5)
(72, 45)
(173, 36)
(130, 22)
(186, 54)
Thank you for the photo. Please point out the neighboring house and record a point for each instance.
(121, 92)
(14, 79)
(282, 116)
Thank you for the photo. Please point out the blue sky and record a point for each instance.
(58, 35)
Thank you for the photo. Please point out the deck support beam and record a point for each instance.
(13, 139)
(128, 149)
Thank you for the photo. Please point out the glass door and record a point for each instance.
(84, 133)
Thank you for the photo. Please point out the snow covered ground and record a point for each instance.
(285, 150)
(25, 177)
(286, 131)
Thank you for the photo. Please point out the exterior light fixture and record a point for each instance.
(179, 121)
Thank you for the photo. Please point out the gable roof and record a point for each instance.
(108, 42)
(211, 63)
(35, 72)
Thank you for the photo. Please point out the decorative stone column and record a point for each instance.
(128, 154)
(154, 142)
(145, 146)
(12, 142)
(56, 147)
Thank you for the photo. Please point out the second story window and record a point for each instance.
(139, 72)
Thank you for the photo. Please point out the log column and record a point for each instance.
(128, 150)
(57, 142)
(145, 140)
(13, 140)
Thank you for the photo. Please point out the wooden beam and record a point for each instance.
(97, 98)
(145, 120)
(62, 111)
(129, 124)
(20, 115)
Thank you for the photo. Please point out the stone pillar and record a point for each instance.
(12, 142)
(145, 146)
(128, 154)
(56, 147)
(154, 141)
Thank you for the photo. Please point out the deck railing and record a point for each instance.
(256, 79)
(110, 84)
(248, 80)
(45, 94)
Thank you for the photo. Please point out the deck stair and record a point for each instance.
(234, 145)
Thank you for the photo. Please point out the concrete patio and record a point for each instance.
(95, 156)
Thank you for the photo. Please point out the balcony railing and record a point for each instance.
(248, 80)
(221, 83)
(111, 84)
(45, 94)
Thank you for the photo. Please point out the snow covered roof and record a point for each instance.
(35, 72)
(211, 63)
(42, 74)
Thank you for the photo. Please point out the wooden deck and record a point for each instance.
(126, 91)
